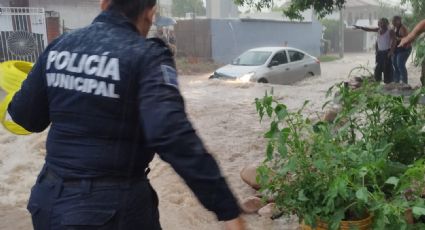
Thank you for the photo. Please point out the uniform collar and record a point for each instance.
(113, 17)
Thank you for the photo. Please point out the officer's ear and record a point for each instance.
(104, 4)
(145, 20)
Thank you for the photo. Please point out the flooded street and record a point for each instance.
(224, 115)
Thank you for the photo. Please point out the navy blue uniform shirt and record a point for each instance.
(111, 99)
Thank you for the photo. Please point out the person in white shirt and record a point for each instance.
(384, 50)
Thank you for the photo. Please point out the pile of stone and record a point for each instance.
(257, 203)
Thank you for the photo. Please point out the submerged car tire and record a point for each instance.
(309, 74)
(263, 81)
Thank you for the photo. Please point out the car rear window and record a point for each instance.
(295, 55)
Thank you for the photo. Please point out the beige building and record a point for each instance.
(371, 10)
(74, 14)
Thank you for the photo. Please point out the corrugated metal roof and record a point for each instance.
(360, 3)
(275, 16)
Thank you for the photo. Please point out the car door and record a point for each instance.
(297, 65)
(278, 68)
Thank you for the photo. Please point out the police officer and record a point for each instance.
(111, 99)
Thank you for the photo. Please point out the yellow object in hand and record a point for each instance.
(12, 74)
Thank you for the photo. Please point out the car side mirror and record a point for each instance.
(273, 63)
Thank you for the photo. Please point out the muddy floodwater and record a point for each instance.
(225, 118)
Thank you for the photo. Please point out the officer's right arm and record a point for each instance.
(169, 133)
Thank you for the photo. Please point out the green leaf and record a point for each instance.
(320, 164)
(326, 104)
(330, 90)
(362, 194)
(363, 172)
(303, 107)
(281, 112)
(418, 211)
(274, 129)
(301, 196)
(392, 180)
(283, 150)
(269, 151)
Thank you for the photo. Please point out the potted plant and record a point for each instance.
(351, 173)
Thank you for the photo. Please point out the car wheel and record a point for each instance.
(309, 74)
(263, 81)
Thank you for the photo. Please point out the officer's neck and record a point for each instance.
(144, 21)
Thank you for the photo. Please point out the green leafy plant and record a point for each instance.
(356, 166)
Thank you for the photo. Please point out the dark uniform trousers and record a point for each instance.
(88, 204)
(383, 66)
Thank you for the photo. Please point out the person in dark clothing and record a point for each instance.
(111, 99)
(401, 54)
(406, 42)
(384, 50)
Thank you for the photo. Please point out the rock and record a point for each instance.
(391, 86)
(405, 87)
(268, 211)
(358, 79)
(409, 216)
(252, 204)
(330, 115)
(249, 176)
(355, 83)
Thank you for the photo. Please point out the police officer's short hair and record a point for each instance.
(131, 8)
(385, 21)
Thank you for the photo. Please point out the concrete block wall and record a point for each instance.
(230, 38)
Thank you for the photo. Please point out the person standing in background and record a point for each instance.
(401, 54)
(406, 41)
(384, 50)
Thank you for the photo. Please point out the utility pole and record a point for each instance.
(341, 33)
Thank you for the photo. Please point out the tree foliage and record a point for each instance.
(181, 7)
(296, 7)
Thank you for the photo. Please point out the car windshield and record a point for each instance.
(252, 58)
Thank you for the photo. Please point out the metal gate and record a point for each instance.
(23, 34)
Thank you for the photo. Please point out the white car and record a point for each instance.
(276, 65)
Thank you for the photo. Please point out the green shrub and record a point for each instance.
(345, 170)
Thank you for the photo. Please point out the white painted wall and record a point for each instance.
(74, 13)
(79, 13)
(38, 23)
(6, 23)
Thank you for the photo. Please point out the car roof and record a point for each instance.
(275, 49)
